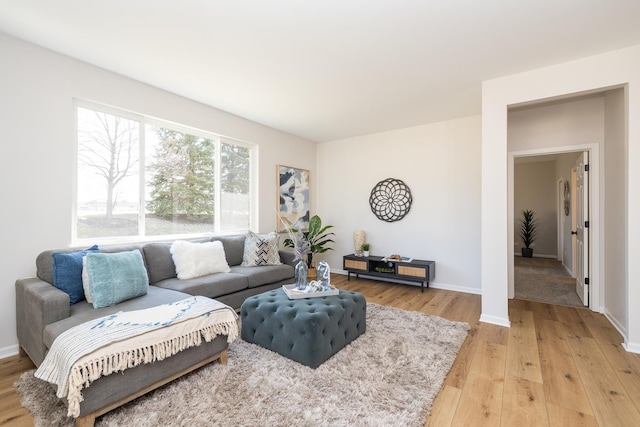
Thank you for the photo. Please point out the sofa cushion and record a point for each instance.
(116, 277)
(261, 249)
(159, 261)
(211, 286)
(66, 272)
(233, 248)
(263, 275)
(83, 311)
(198, 259)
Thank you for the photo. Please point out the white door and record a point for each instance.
(582, 229)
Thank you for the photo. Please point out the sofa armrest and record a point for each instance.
(38, 304)
(287, 258)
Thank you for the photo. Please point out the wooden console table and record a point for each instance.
(417, 270)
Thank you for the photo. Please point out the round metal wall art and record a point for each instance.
(390, 200)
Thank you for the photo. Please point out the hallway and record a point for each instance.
(544, 280)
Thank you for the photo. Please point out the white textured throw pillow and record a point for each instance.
(85, 281)
(198, 259)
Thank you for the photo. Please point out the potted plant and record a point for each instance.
(365, 248)
(313, 241)
(528, 231)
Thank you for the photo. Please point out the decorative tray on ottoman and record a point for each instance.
(293, 294)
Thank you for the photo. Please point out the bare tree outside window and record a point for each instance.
(108, 154)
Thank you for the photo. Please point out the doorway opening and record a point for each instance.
(545, 181)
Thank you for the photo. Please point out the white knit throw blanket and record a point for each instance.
(124, 340)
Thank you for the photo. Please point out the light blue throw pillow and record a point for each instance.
(66, 268)
(116, 277)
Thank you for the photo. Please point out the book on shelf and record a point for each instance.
(402, 259)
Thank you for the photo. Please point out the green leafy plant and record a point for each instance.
(366, 247)
(317, 237)
(528, 227)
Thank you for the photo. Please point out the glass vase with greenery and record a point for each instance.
(314, 240)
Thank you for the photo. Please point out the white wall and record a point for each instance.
(564, 123)
(440, 163)
(535, 189)
(557, 125)
(607, 70)
(615, 155)
(37, 163)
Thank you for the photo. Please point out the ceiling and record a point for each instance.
(326, 69)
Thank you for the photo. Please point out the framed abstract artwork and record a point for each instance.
(293, 197)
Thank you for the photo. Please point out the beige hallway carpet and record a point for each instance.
(544, 280)
(388, 376)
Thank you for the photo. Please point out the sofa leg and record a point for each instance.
(86, 421)
(21, 352)
(223, 357)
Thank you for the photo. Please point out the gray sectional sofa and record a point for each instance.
(44, 312)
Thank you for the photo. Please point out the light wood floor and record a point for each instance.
(555, 366)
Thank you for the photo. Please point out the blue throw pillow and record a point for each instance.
(67, 272)
(116, 277)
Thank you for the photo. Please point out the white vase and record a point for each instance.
(366, 253)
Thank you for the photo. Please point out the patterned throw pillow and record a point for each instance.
(261, 250)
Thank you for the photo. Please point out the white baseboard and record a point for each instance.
(456, 288)
(535, 255)
(631, 347)
(9, 351)
(434, 285)
(500, 321)
(616, 323)
(568, 270)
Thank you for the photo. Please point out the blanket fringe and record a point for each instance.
(83, 375)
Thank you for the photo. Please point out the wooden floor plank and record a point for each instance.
(463, 308)
(543, 311)
(11, 412)
(562, 382)
(559, 416)
(444, 407)
(523, 403)
(480, 402)
(611, 403)
(522, 355)
(625, 365)
(493, 333)
(572, 322)
(460, 370)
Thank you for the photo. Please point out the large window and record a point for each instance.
(143, 177)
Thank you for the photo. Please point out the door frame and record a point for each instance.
(596, 281)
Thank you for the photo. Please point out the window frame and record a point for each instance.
(143, 121)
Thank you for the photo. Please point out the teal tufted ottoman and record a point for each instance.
(309, 330)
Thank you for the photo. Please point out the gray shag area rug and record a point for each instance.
(388, 376)
(544, 280)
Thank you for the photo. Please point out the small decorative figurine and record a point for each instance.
(324, 275)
